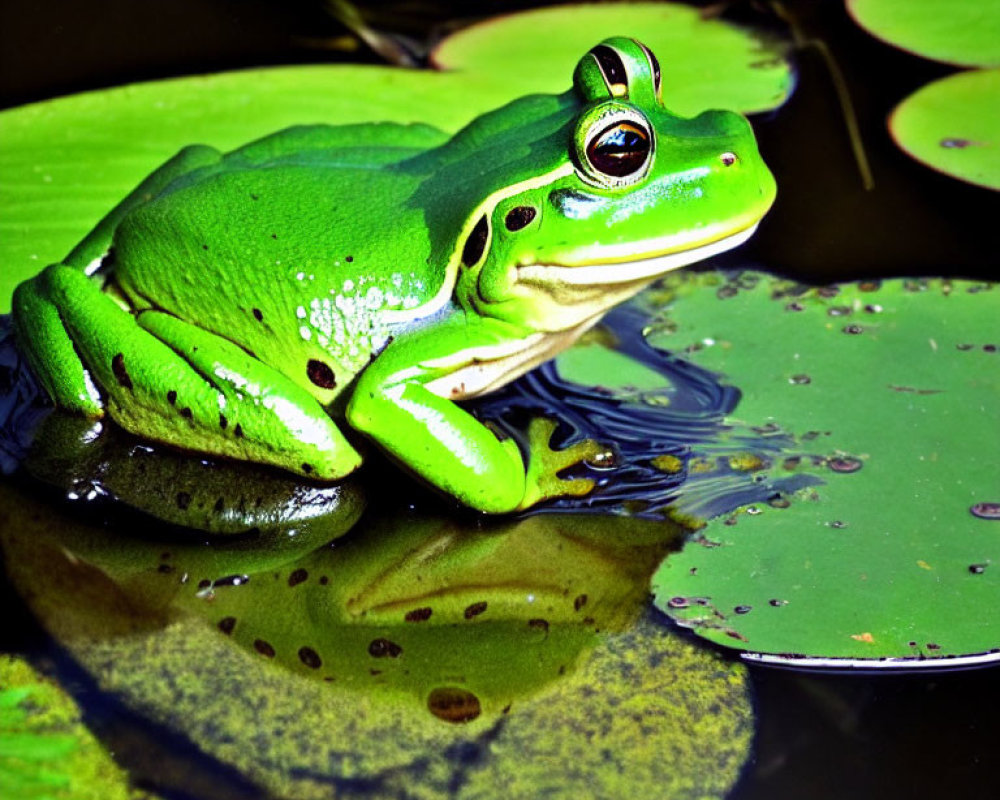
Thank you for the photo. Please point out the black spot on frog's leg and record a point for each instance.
(186, 413)
(475, 609)
(171, 397)
(183, 500)
(383, 648)
(258, 315)
(226, 625)
(349, 259)
(519, 217)
(321, 374)
(310, 658)
(475, 245)
(298, 576)
(238, 431)
(264, 648)
(453, 704)
(118, 368)
(223, 422)
(307, 468)
(418, 615)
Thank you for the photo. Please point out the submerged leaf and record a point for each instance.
(45, 750)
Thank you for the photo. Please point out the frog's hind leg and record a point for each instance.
(169, 381)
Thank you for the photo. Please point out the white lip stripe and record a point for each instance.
(630, 271)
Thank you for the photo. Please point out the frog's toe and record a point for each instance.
(45, 342)
(545, 464)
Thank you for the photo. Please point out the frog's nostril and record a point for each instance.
(728, 159)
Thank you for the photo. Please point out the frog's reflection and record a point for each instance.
(458, 616)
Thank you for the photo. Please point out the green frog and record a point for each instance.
(370, 277)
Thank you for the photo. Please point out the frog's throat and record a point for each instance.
(643, 270)
(478, 371)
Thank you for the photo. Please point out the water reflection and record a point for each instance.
(319, 647)
(414, 651)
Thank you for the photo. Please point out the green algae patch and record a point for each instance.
(951, 126)
(961, 32)
(706, 63)
(888, 393)
(418, 655)
(46, 753)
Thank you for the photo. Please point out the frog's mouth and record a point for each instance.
(628, 272)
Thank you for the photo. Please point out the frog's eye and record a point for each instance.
(617, 149)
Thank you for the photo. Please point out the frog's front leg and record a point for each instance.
(169, 381)
(404, 401)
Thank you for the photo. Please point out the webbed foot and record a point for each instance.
(544, 465)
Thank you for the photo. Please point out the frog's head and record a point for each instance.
(637, 191)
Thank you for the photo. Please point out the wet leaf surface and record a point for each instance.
(892, 556)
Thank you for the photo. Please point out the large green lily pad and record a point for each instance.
(953, 125)
(890, 392)
(962, 32)
(706, 63)
(421, 657)
(65, 162)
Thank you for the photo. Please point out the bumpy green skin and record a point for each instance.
(233, 303)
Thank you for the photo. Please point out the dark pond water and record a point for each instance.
(817, 736)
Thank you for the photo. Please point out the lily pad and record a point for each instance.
(951, 125)
(46, 753)
(65, 162)
(314, 679)
(889, 392)
(961, 32)
(706, 63)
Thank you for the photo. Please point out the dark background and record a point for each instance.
(818, 736)
(824, 226)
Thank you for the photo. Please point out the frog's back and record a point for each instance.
(299, 257)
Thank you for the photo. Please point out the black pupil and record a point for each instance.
(619, 150)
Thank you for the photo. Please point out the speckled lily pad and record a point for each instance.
(953, 126)
(889, 391)
(962, 32)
